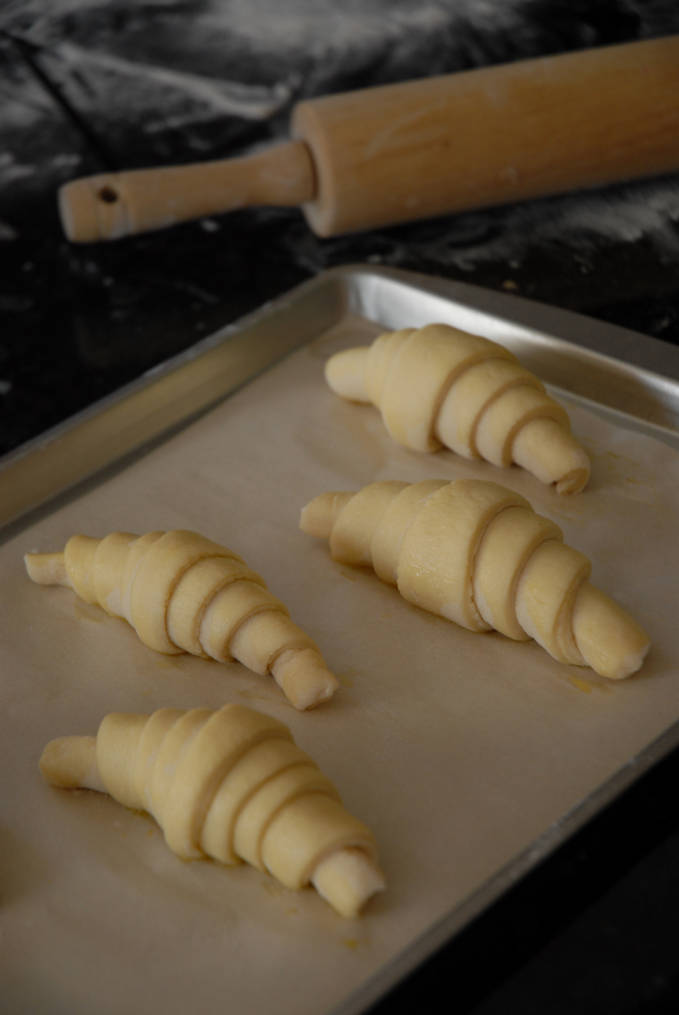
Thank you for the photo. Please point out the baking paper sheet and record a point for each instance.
(460, 750)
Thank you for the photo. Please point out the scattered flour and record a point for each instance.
(647, 209)
(232, 98)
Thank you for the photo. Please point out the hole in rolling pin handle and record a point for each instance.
(108, 195)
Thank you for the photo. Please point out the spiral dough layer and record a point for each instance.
(476, 553)
(230, 784)
(439, 386)
(183, 593)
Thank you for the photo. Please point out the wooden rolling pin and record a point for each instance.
(421, 148)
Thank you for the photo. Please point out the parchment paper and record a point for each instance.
(458, 749)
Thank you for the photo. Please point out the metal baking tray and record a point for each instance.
(609, 368)
(629, 379)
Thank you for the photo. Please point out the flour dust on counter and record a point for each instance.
(177, 65)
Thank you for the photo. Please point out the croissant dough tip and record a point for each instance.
(348, 879)
(574, 481)
(318, 516)
(344, 374)
(46, 568)
(304, 678)
(70, 762)
(631, 663)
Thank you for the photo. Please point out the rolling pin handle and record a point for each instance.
(110, 206)
(92, 209)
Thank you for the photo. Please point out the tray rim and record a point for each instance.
(337, 291)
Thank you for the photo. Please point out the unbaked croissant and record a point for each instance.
(438, 386)
(476, 553)
(183, 593)
(230, 784)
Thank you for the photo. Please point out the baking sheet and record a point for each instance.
(470, 756)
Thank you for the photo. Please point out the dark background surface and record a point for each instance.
(111, 84)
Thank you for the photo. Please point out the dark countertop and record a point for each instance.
(108, 84)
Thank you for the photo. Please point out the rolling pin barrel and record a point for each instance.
(417, 149)
(491, 136)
